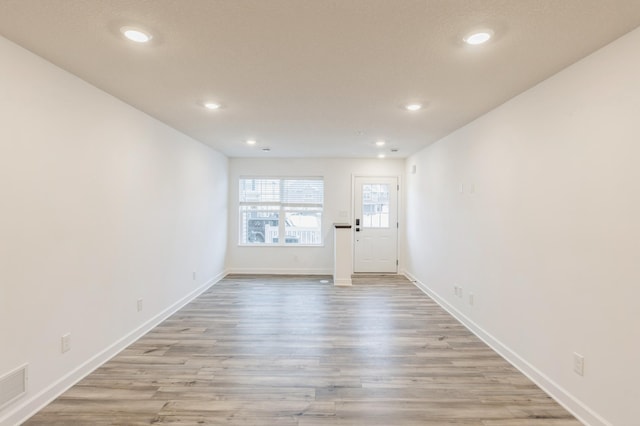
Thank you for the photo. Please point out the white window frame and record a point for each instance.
(282, 208)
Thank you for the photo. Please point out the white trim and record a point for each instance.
(32, 405)
(342, 282)
(294, 177)
(572, 404)
(280, 271)
(285, 245)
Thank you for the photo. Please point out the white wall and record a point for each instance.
(337, 175)
(549, 240)
(100, 205)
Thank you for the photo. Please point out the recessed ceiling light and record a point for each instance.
(478, 37)
(211, 105)
(413, 107)
(381, 155)
(380, 143)
(135, 34)
(251, 142)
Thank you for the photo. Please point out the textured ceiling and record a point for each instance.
(319, 78)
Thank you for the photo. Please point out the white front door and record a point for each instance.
(376, 224)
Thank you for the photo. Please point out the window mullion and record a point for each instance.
(281, 227)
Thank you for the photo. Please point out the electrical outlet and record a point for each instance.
(471, 297)
(65, 343)
(139, 305)
(578, 364)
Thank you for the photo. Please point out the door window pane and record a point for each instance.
(375, 205)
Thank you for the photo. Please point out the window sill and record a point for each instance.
(283, 245)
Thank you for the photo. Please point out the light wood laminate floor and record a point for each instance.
(283, 350)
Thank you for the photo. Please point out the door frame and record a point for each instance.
(400, 214)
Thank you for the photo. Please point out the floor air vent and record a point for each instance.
(13, 385)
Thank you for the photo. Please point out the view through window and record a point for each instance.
(375, 206)
(274, 207)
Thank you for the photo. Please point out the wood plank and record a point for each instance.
(288, 350)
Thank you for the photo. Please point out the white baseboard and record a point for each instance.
(583, 413)
(31, 405)
(281, 271)
(342, 282)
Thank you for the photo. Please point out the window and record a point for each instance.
(275, 207)
(375, 206)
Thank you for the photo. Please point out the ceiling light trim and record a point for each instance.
(212, 105)
(478, 37)
(136, 35)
